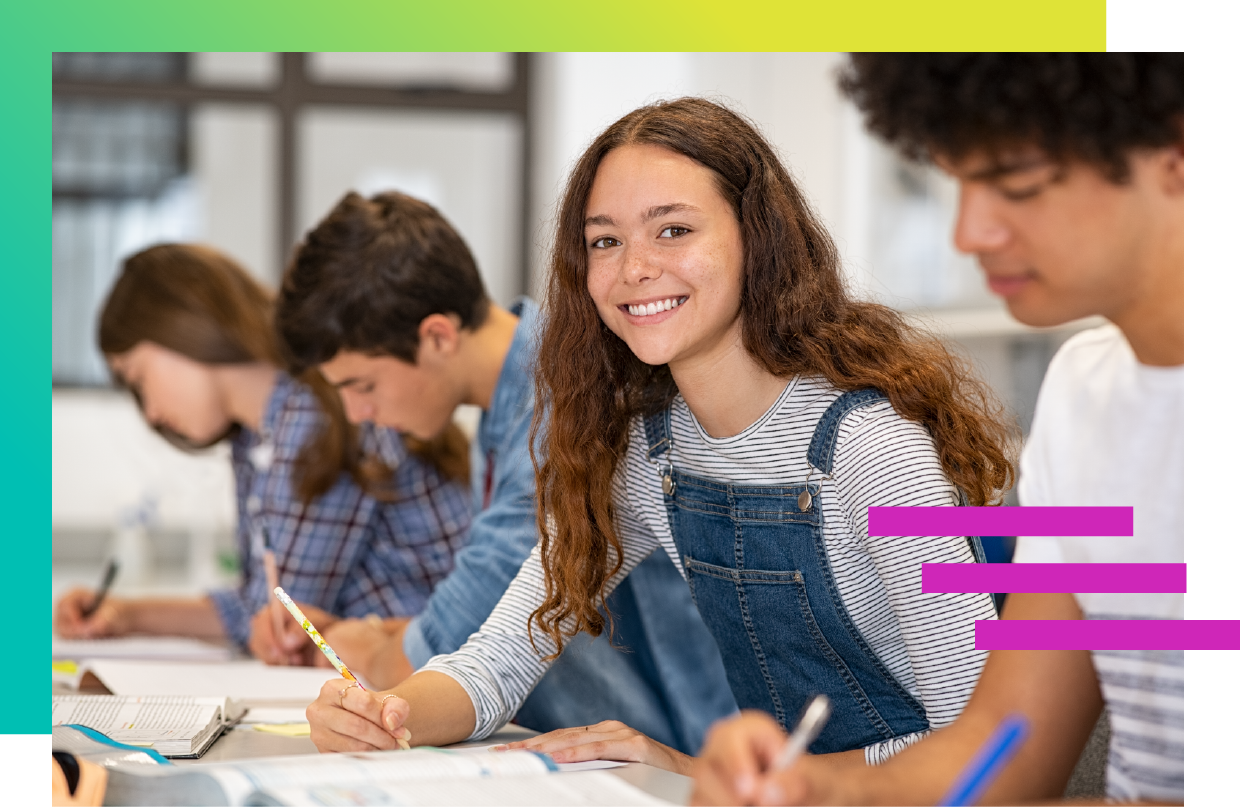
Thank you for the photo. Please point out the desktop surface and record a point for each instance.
(243, 742)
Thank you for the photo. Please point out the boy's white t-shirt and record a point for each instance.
(1109, 431)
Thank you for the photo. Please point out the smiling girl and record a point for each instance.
(708, 386)
(357, 522)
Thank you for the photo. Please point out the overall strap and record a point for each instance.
(658, 433)
(822, 448)
(975, 542)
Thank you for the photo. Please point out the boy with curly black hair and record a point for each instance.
(1071, 173)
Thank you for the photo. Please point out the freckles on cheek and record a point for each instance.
(596, 285)
(599, 297)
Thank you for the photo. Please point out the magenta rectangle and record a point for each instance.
(1000, 521)
(1107, 634)
(1052, 578)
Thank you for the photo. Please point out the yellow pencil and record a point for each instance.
(321, 643)
(315, 636)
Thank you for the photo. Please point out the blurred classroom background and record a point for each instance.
(245, 151)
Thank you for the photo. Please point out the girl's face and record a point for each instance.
(665, 256)
(177, 393)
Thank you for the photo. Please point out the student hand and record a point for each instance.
(373, 648)
(109, 619)
(610, 739)
(346, 717)
(296, 649)
(734, 766)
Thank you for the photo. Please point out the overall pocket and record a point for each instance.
(775, 660)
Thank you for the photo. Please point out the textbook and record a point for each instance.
(172, 726)
(429, 776)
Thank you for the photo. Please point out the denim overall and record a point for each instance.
(759, 574)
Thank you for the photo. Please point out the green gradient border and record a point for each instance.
(573, 25)
(31, 32)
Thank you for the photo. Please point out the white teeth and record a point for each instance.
(646, 309)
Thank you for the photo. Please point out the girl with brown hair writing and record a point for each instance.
(358, 520)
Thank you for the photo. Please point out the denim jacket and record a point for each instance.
(502, 533)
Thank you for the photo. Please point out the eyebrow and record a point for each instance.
(999, 169)
(658, 211)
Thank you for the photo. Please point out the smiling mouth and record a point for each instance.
(657, 307)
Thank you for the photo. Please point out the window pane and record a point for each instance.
(465, 164)
(119, 182)
(89, 238)
(483, 72)
(233, 163)
(107, 148)
(126, 175)
(235, 69)
(119, 66)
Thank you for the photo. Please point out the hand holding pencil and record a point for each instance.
(277, 614)
(293, 647)
(314, 635)
(392, 725)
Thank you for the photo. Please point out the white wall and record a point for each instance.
(790, 96)
(106, 461)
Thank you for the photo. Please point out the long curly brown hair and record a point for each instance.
(797, 317)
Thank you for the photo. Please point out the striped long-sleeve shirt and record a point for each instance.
(925, 640)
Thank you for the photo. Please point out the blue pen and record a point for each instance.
(990, 759)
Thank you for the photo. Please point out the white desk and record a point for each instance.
(243, 742)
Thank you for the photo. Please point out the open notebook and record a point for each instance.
(173, 726)
(420, 776)
(247, 680)
(163, 648)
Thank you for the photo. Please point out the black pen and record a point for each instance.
(109, 576)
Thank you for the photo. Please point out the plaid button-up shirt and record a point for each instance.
(345, 552)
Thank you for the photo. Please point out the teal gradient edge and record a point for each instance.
(25, 333)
